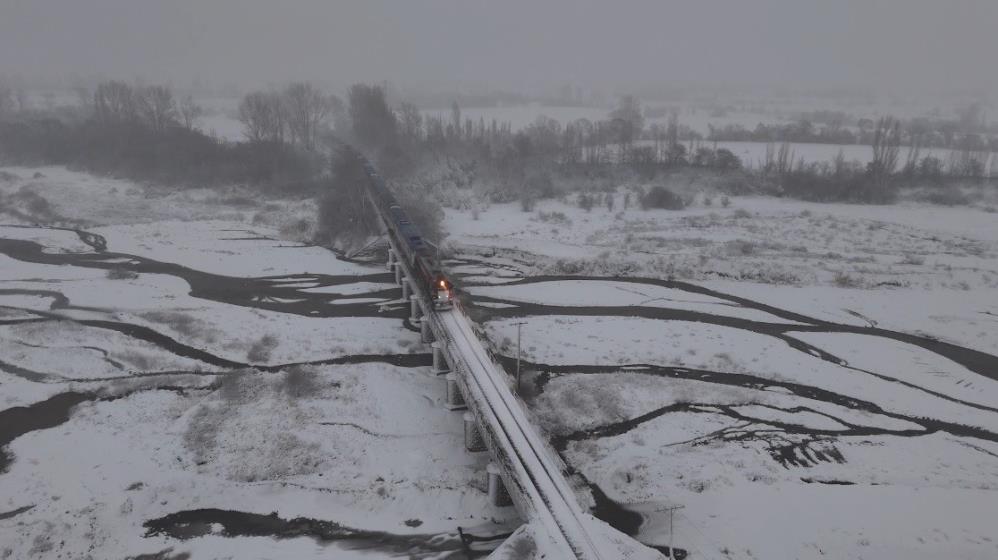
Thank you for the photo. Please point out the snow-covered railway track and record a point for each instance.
(530, 469)
(539, 487)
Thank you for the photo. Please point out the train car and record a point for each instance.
(436, 285)
(419, 255)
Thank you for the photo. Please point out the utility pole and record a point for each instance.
(672, 511)
(518, 325)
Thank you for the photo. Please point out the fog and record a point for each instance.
(514, 44)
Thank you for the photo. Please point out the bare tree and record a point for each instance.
(627, 122)
(410, 123)
(263, 115)
(306, 108)
(341, 119)
(455, 119)
(374, 123)
(886, 146)
(157, 107)
(6, 100)
(115, 103)
(778, 160)
(190, 112)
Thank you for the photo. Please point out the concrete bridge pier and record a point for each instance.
(425, 333)
(415, 311)
(455, 399)
(391, 258)
(498, 494)
(397, 269)
(440, 365)
(473, 440)
(406, 288)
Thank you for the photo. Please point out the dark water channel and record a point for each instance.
(200, 522)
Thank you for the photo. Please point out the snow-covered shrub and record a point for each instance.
(300, 381)
(233, 387)
(120, 273)
(201, 435)
(951, 196)
(844, 280)
(556, 218)
(740, 247)
(661, 197)
(186, 325)
(276, 456)
(259, 351)
(300, 230)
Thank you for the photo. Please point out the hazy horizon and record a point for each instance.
(515, 45)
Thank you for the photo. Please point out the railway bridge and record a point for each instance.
(524, 470)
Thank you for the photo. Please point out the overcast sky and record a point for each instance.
(509, 44)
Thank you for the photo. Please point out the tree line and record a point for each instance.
(146, 133)
(917, 132)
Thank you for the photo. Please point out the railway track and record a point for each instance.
(531, 471)
(543, 491)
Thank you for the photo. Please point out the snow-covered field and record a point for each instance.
(177, 376)
(807, 380)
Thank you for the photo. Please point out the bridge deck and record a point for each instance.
(530, 469)
(537, 484)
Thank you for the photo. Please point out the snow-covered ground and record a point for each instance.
(807, 380)
(169, 378)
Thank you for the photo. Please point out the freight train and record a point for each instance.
(419, 255)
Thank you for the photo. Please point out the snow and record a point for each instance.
(773, 454)
(547, 493)
(208, 246)
(367, 445)
(609, 293)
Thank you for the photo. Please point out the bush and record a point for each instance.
(527, 203)
(540, 185)
(119, 273)
(946, 197)
(300, 381)
(556, 218)
(661, 197)
(844, 280)
(424, 213)
(259, 351)
(343, 214)
(740, 247)
(814, 183)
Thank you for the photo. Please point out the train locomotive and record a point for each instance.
(420, 256)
